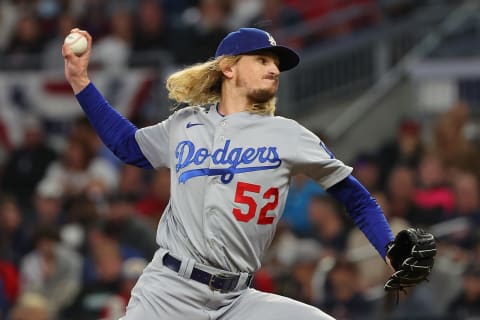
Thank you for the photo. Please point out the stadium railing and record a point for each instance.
(353, 62)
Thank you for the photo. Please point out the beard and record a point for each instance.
(259, 96)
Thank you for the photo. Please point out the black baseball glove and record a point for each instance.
(411, 254)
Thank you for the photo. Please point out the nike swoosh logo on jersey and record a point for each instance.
(189, 125)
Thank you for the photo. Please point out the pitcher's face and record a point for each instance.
(257, 75)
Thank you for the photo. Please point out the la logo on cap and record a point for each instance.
(270, 39)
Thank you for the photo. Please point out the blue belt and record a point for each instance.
(216, 282)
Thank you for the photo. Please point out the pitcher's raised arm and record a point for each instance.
(116, 132)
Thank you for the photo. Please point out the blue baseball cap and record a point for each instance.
(251, 40)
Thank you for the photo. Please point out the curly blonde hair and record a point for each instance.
(201, 84)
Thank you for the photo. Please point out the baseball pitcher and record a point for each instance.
(231, 161)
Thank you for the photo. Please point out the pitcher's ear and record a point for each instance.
(226, 68)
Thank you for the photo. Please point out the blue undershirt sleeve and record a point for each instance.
(116, 132)
(365, 212)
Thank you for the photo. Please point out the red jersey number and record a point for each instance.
(242, 197)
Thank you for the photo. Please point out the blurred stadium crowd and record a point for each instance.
(126, 27)
(77, 227)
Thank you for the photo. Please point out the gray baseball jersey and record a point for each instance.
(229, 180)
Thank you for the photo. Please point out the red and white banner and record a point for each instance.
(48, 96)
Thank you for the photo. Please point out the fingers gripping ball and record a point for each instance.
(411, 254)
(77, 43)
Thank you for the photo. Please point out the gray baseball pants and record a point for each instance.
(162, 293)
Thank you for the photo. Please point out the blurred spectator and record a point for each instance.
(295, 276)
(275, 16)
(102, 235)
(367, 171)
(176, 7)
(328, 223)
(113, 51)
(203, 30)
(400, 192)
(132, 181)
(151, 31)
(14, 238)
(450, 143)
(300, 193)
(153, 204)
(27, 39)
(52, 53)
(48, 205)
(467, 304)
(344, 298)
(94, 295)
(31, 306)
(9, 286)
(128, 228)
(116, 305)
(303, 270)
(49, 210)
(406, 149)
(84, 212)
(433, 195)
(80, 170)
(47, 11)
(93, 18)
(467, 196)
(243, 12)
(282, 252)
(27, 164)
(51, 270)
(463, 228)
(82, 129)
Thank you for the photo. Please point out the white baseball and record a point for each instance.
(77, 42)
